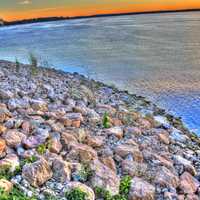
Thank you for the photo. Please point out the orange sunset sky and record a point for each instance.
(25, 9)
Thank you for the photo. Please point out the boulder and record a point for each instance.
(85, 152)
(61, 170)
(10, 162)
(55, 145)
(187, 165)
(13, 138)
(37, 173)
(4, 114)
(163, 136)
(141, 190)
(68, 138)
(2, 129)
(104, 177)
(6, 185)
(116, 131)
(178, 136)
(188, 184)
(18, 104)
(164, 177)
(133, 168)
(2, 147)
(95, 141)
(109, 162)
(39, 105)
(6, 94)
(72, 119)
(124, 150)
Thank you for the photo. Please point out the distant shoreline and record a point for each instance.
(49, 19)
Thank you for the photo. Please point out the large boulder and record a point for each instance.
(141, 190)
(61, 170)
(104, 177)
(188, 184)
(13, 138)
(37, 173)
(6, 185)
(164, 177)
(84, 152)
(186, 164)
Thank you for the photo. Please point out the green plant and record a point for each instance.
(29, 160)
(124, 188)
(34, 63)
(15, 194)
(106, 120)
(76, 194)
(83, 174)
(41, 149)
(119, 197)
(125, 185)
(5, 172)
(50, 197)
(102, 193)
(17, 65)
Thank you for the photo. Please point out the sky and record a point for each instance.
(25, 9)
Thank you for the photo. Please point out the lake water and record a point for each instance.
(154, 55)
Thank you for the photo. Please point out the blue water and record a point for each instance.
(156, 55)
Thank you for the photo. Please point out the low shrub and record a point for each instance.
(76, 194)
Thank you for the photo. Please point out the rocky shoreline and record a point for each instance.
(63, 136)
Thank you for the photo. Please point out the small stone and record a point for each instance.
(124, 150)
(2, 147)
(26, 127)
(39, 105)
(37, 173)
(6, 185)
(141, 189)
(144, 123)
(55, 145)
(163, 136)
(115, 131)
(4, 114)
(135, 131)
(2, 129)
(176, 135)
(95, 141)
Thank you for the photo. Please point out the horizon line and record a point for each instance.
(28, 20)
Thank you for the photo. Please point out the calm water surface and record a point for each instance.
(156, 55)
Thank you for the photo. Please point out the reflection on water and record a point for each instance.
(157, 56)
